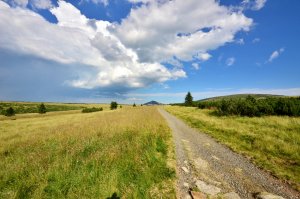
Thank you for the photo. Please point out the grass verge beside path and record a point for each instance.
(272, 142)
(127, 152)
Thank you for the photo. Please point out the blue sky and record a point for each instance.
(142, 50)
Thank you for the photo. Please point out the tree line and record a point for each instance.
(41, 108)
(250, 106)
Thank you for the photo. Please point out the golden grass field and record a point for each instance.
(272, 142)
(93, 155)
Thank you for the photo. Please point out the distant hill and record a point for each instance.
(152, 103)
(257, 96)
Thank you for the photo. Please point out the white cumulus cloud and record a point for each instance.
(128, 54)
(275, 54)
(41, 4)
(158, 31)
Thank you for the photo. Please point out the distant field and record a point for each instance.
(272, 142)
(32, 107)
(127, 151)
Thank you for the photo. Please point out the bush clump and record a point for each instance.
(42, 108)
(9, 112)
(90, 110)
(252, 107)
(113, 105)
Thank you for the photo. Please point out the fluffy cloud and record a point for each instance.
(104, 2)
(158, 31)
(196, 66)
(37, 4)
(253, 4)
(76, 39)
(127, 54)
(21, 3)
(259, 4)
(230, 61)
(240, 41)
(275, 54)
(41, 4)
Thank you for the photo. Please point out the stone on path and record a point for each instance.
(266, 195)
(185, 169)
(188, 197)
(198, 195)
(207, 189)
(231, 195)
(200, 163)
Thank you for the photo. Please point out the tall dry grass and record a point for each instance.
(127, 152)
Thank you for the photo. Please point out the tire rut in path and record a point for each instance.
(208, 165)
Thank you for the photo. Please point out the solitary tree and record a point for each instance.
(188, 99)
(42, 108)
(9, 112)
(134, 105)
(113, 105)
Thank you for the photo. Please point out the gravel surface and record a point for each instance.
(214, 165)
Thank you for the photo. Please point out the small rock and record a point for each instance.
(198, 195)
(185, 162)
(216, 183)
(266, 195)
(185, 184)
(207, 189)
(185, 169)
(207, 144)
(231, 195)
(200, 163)
(238, 170)
(187, 197)
(215, 157)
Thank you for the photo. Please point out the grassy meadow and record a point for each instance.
(87, 155)
(272, 142)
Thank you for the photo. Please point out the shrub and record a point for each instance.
(201, 106)
(90, 110)
(113, 105)
(42, 108)
(252, 107)
(9, 112)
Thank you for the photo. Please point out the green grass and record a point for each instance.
(272, 142)
(127, 152)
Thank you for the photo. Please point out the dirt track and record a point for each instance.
(215, 169)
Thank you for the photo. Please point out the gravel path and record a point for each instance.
(204, 164)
